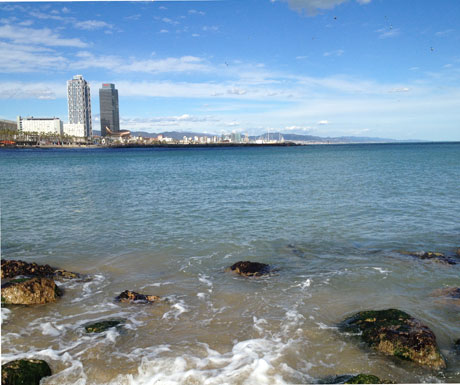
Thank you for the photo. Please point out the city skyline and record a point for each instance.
(342, 68)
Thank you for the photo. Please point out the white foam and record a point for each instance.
(201, 296)
(5, 314)
(380, 270)
(176, 310)
(205, 279)
(51, 329)
(325, 327)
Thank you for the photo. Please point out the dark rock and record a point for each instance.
(30, 291)
(457, 346)
(12, 268)
(24, 372)
(395, 333)
(449, 294)
(132, 296)
(355, 379)
(101, 326)
(435, 257)
(364, 379)
(250, 269)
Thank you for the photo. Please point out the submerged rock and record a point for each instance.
(355, 379)
(449, 294)
(101, 326)
(395, 333)
(250, 269)
(30, 291)
(457, 346)
(24, 372)
(12, 268)
(132, 296)
(432, 256)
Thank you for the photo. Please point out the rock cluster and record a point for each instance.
(12, 268)
(250, 269)
(24, 372)
(449, 294)
(132, 296)
(394, 332)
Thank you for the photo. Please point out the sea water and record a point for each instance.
(331, 220)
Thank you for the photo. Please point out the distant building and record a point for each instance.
(235, 137)
(79, 101)
(8, 124)
(74, 129)
(40, 125)
(108, 102)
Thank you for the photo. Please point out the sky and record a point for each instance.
(373, 68)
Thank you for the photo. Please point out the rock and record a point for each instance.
(457, 253)
(354, 379)
(457, 346)
(449, 294)
(364, 379)
(24, 372)
(30, 291)
(101, 326)
(12, 268)
(395, 333)
(435, 257)
(250, 269)
(132, 296)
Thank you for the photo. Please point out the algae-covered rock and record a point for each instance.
(132, 296)
(250, 269)
(12, 268)
(432, 256)
(24, 372)
(449, 295)
(101, 326)
(395, 333)
(30, 291)
(364, 379)
(355, 379)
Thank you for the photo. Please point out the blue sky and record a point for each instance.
(378, 68)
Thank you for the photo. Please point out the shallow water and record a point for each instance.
(330, 219)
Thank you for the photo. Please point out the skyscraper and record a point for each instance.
(108, 101)
(79, 99)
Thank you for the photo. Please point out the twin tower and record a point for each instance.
(79, 101)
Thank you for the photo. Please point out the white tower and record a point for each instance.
(79, 100)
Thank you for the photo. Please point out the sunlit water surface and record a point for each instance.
(331, 220)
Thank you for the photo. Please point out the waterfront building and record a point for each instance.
(235, 137)
(40, 125)
(74, 129)
(8, 125)
(79, 101)
(108, 102)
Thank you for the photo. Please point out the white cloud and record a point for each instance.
(195, 12)
(24, 90)
(90, 25)
(164, 31)
(388, 33)
(43, 36)
(444, 33)
(338, 52)
(312, 7)
(323, 122)
(236, 91)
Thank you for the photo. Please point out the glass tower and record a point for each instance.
(108, 101)
(79, 100)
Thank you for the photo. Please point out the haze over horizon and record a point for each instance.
(373, 68)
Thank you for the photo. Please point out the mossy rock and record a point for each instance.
(364, 379)
(101, 326)
(396, 333)
(24, 372)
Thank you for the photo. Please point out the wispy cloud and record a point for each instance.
(385, 33)
(312, 7)
(43, 36)
(338, 52)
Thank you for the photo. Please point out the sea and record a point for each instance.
(335, 223)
